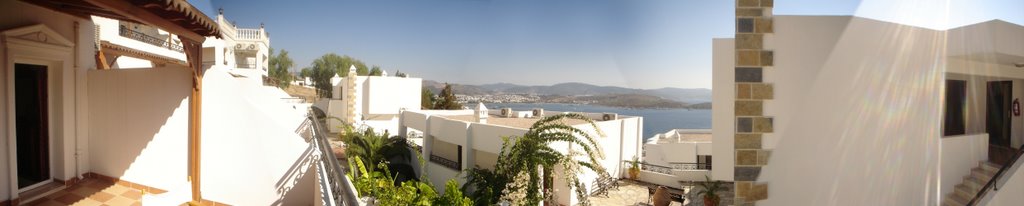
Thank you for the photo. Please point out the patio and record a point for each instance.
(92, 191)
(628, 193)
(636, 193)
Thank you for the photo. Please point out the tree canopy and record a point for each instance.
(279, 65)
(446, 100)
(324, 68)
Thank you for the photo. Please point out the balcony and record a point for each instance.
(674, 166)
(139, 36)
(250, 34)
(335, 187)
(689, 166)
(451, 164)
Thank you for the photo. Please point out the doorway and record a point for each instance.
(32, 125)
(997, 115)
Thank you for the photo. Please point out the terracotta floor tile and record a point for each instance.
(133, 194)
(58, 194)
(116, 189)
(45, 202)
(85, 191)
(87, 202)
(101, 196)
(69, 198)
(120, 201)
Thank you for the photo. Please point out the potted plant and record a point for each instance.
(710, 191)
(634, 169)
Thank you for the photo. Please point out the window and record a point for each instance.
(704, 162)
(953, 115)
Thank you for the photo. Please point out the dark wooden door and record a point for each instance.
(31, 118)
(998, 100)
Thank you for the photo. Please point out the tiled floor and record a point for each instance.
(628, 193)
(92, 192)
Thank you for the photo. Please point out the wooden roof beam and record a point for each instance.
(129, 10)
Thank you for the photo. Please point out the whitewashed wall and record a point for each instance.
(960, 154)
(723, 124)
(71, 110)
(139, 124)
(857, 112)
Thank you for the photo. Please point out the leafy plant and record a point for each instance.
(524, 161)
(484, 186)
(383, 189)
(635, 163)
(710, 189)
(375, 148)
(453, 196)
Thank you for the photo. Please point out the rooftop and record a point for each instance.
(681, 136)
(523, 123)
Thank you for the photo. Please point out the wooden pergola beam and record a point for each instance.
(129, 10)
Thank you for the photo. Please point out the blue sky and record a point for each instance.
(638, 44)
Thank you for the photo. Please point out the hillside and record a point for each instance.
(621, 100)
(685, 95)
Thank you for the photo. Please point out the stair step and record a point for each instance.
(982, 174)
(964, 190)
(974, 183)
(988, 166)
(956, 200)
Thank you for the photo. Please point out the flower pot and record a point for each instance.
(710, 201)
(634, 173)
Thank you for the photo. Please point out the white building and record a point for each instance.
(841, 110)
(75, 115)
(245, 50)
(677, 155)
(370, 101)
(454, 140)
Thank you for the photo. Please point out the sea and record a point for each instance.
(655, 120)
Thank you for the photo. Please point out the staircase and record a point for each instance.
(972, 184)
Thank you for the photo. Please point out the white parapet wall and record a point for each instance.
(139, 125)
(959, 155)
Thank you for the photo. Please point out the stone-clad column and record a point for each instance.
(753, 60)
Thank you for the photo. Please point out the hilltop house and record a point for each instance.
(81, 127)
(455, 140)
(243, 50)
(679, 155)
(843, 110)
(370, 101)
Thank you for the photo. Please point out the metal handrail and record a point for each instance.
(655, 168)
(451, 164)
(341, 190)
(689, 166)
(995, 178)
(139, 36)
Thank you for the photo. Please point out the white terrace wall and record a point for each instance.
(858, 107)
(723, 126)
(959, 155)
(71, 99)
(139, 125)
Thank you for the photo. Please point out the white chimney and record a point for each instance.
(481, 113)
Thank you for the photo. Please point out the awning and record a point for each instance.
(126, 51)
(176, 16)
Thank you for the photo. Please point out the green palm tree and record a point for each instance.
(525, 161)
(376, 148)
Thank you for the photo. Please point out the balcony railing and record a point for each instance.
(451, 164)
(655, 168)
(249, 34)
(335, 187)
(673, 166)
(689, 166)
(245, 66)
(139, 36)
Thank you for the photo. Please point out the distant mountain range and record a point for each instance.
(691, 96)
